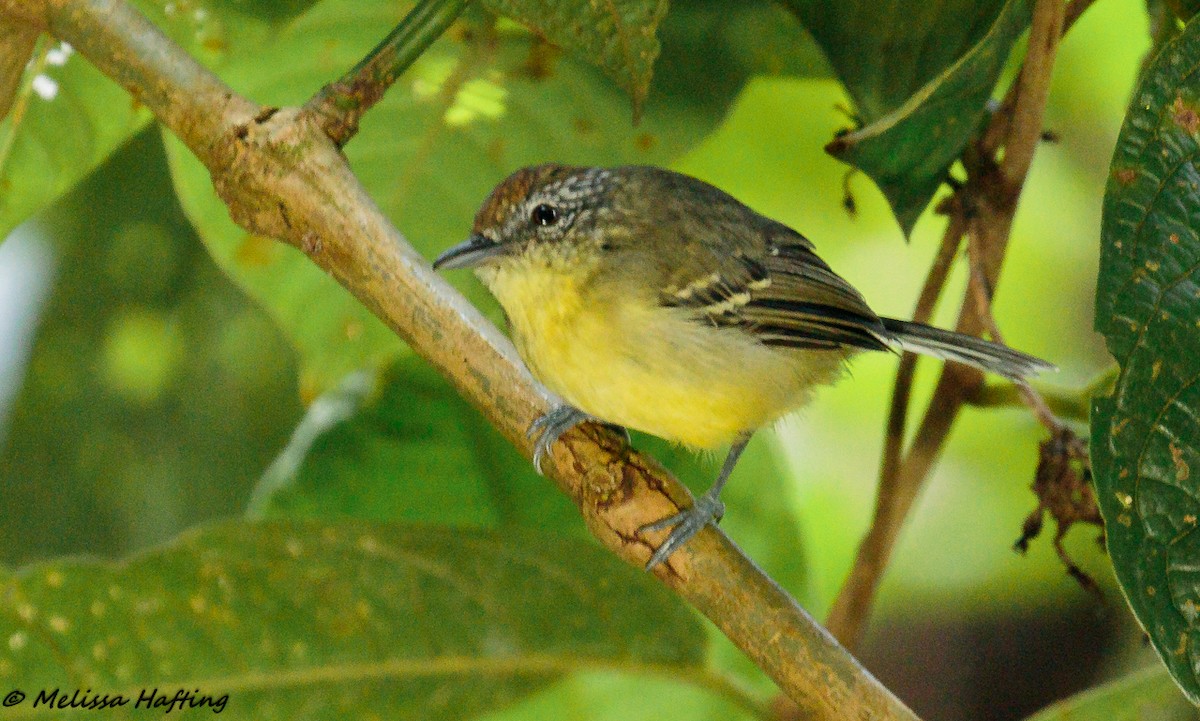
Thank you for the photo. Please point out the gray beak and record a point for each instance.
(468, 254)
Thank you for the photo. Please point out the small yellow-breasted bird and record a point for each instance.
(651, 300)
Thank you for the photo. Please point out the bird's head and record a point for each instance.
(548, 214)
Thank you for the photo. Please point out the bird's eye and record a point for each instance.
(544, 215)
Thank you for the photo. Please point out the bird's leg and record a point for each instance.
(557, 421)
(707, 509)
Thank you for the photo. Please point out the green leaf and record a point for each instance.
(711, 47)
(481, 102)
(130, 457)
(80, 116)
(920, 74)
(1145, 438)
(351, 620)
(1147, 695)
(70, 127)
(616, 35)
(405, 446)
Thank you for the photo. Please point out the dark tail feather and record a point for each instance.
(948, 345)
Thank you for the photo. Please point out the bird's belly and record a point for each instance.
(656, 372)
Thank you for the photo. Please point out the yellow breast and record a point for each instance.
(647, 367)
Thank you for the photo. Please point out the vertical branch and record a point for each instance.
(984, 212)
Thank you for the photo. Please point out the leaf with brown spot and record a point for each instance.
(1145, 438)
(1185, 116)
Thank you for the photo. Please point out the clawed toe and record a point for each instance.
(550, 427)
(685, 524)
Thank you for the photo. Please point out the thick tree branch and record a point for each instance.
(282, 176)
(984, 210)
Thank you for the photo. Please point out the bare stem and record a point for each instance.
(341, 104)
(17, 41)
(18, 100)
(850, 610)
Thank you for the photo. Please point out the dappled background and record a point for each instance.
(146, 385)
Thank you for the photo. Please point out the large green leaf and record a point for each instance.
(78, 117)
(883, 52)
(155, 391)
(617, 35)
(1148, 695)
(70, 126)
(920, 74)
(478, 104)
(1145, 436)
(305, 620)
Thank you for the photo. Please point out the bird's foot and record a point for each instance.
(707, 509)
(558, 421)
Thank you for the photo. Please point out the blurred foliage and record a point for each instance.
(157, 394)
(1146, 441)
(79, 117)
(289, 620)
(405, 447)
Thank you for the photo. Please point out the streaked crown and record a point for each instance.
(563, 190)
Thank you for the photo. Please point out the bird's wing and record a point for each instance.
(778, 290)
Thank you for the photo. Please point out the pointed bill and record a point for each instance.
(468, 254)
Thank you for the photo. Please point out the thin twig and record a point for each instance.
(935, 282)
(17, 41)
(1072, 404)
(987, 204)
(19, 104)
(283, 177)
(850, 611)
(978, 286)
(341, 104)
(997, 129)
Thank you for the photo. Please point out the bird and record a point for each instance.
(651, 300)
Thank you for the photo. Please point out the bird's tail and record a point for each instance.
(948, 345)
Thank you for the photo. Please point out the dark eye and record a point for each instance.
(544, 215)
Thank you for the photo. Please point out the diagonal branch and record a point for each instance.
(282, 176)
